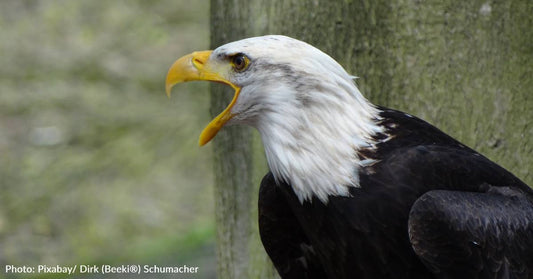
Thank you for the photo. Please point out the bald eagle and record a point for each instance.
(357, 190)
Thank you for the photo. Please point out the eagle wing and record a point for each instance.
(474, 234)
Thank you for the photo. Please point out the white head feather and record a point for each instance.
(311, 116)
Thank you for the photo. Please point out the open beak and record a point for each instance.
(195, 66)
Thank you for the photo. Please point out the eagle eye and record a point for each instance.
(240, 62)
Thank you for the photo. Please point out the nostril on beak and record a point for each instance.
(198, 61)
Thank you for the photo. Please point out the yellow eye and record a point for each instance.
(240, 62)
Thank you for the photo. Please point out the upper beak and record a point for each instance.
(196, 66)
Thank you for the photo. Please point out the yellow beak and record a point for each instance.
(195, 66)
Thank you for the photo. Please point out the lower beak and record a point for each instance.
(195, 66)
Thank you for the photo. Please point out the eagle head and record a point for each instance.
(311, 116)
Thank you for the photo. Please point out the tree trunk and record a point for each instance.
(464, 66)
(239, 162)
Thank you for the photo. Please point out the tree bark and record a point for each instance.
(464, 66)
(239, 165)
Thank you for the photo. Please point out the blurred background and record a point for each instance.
(97, 165)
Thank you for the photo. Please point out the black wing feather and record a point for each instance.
(474, 235)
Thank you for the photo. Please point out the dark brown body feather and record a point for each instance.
(428, 208)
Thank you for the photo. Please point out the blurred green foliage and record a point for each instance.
(96, 164)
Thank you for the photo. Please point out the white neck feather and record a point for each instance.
(311, 142)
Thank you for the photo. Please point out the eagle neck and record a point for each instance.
(311, 143)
